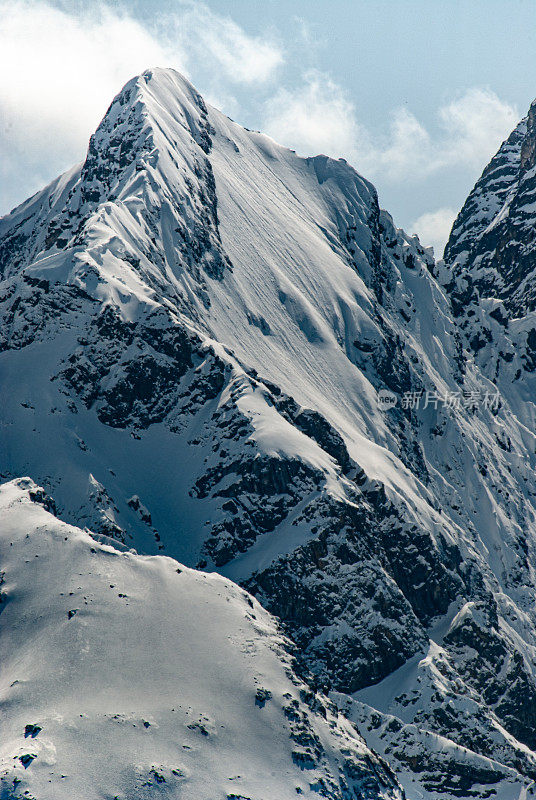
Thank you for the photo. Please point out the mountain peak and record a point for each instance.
(149, 118)
(161, 92)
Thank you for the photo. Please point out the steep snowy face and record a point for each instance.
(129, 676)
(196, 326)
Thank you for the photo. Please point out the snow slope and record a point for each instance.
(133, 677)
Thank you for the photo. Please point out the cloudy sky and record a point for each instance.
(416, 94)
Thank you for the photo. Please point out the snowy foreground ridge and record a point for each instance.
(197, 327)
(133, 676)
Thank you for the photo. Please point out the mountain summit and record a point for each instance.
(215, 350)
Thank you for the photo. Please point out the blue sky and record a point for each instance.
(416, 94)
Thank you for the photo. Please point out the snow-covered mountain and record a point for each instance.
(196, 328)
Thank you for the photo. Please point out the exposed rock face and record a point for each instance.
(196, 325)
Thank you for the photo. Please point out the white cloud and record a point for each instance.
(475, 125)
(317, 116)
(243, 58)
(433, 228)
(60, 69)
(469, 130)
(405, 151)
